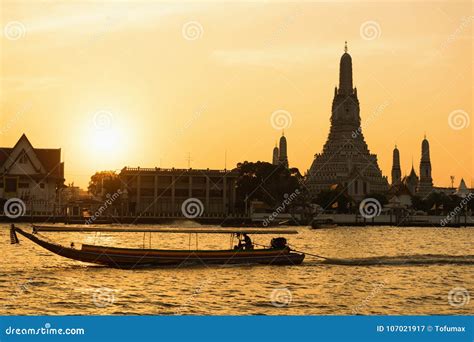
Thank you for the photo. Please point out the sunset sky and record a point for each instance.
(145, 83)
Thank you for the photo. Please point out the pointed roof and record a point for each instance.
(412, 174)
(462, 189)
(399, 189)
(50, 159)
(395, 200)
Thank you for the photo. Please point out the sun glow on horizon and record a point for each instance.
(106, 139)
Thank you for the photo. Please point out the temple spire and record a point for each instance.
(345, 74)
(426, 182)
(283, 156)
(276, 155)
(396, 169)
(345, 47)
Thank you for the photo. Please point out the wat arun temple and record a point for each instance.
(346, 159)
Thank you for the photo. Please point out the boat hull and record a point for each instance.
(131, 258)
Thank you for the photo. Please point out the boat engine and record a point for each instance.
(279, 242)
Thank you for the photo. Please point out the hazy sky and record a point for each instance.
(145, 83)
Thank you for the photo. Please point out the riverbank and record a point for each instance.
(349, 220)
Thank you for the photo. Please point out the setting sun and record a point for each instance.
(107, 141)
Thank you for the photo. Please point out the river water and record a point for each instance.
(387, 271)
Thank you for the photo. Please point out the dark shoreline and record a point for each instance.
(224, 222)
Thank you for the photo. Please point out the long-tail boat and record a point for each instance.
(278, 253)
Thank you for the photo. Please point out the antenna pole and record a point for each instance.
(189, 160)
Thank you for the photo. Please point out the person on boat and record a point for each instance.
(239, 245)
(248, 242)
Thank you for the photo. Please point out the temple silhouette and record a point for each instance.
(346, 159)
(280, 154)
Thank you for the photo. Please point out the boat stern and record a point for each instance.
(13, 237)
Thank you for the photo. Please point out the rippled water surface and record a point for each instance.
(377, 270)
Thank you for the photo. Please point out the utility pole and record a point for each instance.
(189, 160)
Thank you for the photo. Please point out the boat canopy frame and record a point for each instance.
(42, 228)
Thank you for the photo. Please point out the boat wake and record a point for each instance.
(400, 260)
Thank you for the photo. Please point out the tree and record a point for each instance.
(417, 203)
(470, 201)
(268, 183)
(335, 198)
(103, 183)
(439, 202)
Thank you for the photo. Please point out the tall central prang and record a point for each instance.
(346, 159)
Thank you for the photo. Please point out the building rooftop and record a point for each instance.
(127, 169)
